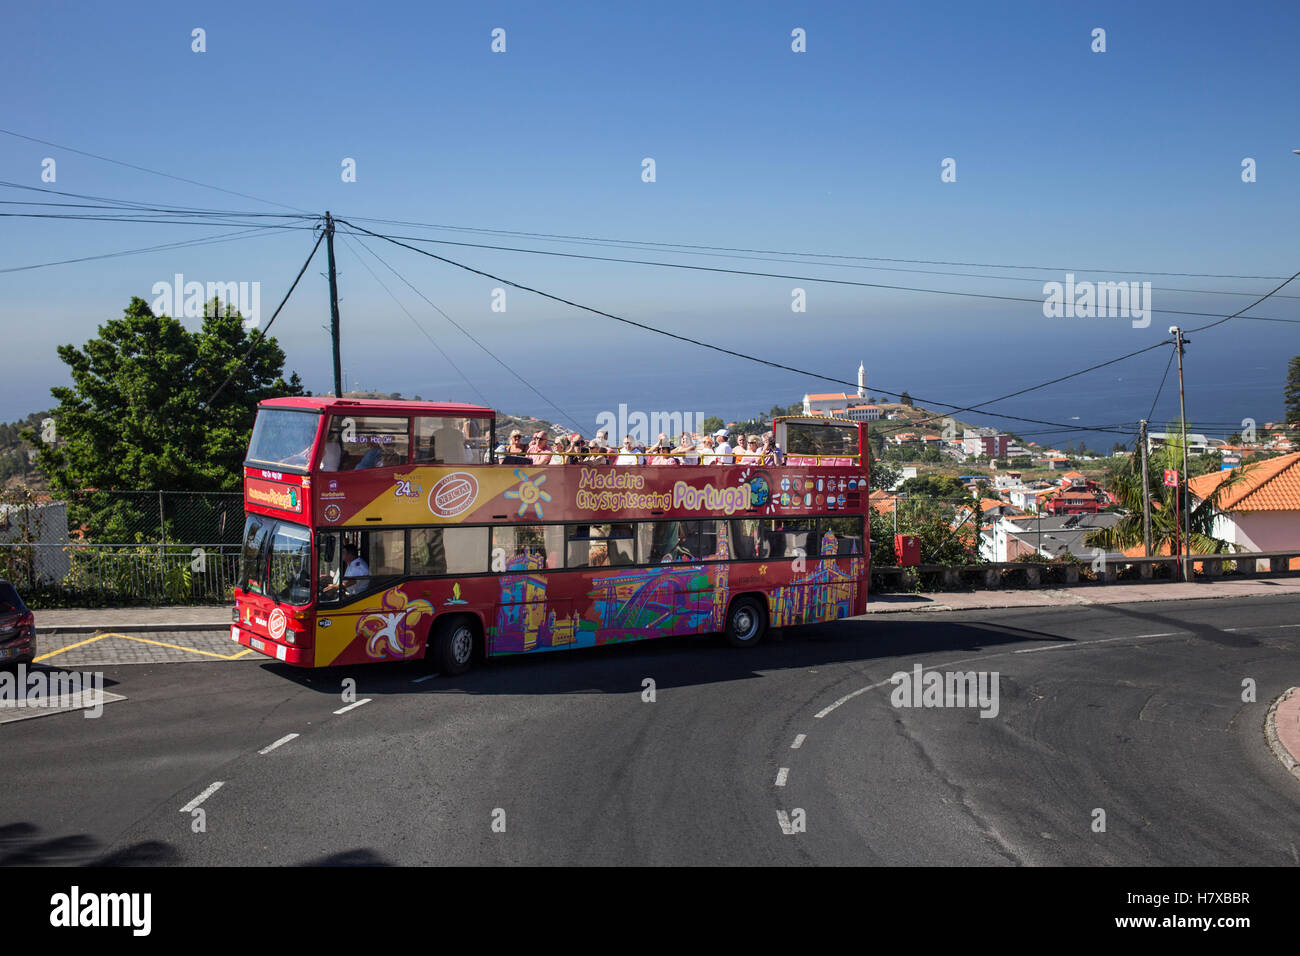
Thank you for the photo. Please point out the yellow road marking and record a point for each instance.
(144, 640)
(177, 647)
(91, 640)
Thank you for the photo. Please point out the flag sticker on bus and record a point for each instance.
(453, 495)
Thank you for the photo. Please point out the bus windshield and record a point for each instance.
(276, 560)
(283, 438)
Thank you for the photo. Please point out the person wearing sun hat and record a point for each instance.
(722, 448)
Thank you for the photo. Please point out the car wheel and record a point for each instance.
(746, 622)
(452, 645)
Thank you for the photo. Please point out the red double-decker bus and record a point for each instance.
(391, 530)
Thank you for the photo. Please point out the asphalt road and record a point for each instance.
(1134, 710)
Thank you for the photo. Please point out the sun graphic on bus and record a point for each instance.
(529, 492)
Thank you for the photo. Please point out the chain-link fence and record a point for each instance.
(96, 548)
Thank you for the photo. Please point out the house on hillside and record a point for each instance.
(1048, 537)
(827, 403)
(1260, 510)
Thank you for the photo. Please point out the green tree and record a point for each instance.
(934, 486)
(1292, 392)
(883, 476)
(136, 416)
(905, 399)
(1124, 481)
(711, 424)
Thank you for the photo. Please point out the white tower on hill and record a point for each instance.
(862, 380)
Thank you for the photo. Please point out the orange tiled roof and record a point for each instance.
(826, 396)
(1272, 485)
(881, 501)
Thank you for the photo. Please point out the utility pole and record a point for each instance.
(334, 305)
(1182, 491)
(1146, 493)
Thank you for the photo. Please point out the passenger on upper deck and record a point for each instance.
(662, 453)
(686, 447)
(561, 451)
(627, 454)
(723, 448)
(540, 449)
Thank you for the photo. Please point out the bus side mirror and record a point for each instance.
(327, 548)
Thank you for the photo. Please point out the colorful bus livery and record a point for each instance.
(386, 531)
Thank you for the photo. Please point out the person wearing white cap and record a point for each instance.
(722, 449)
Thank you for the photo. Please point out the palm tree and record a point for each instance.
(1125, 482)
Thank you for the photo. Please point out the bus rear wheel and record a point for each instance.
(451, 645)
(746, 622)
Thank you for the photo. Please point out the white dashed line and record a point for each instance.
(189, 807)
(987, 657)
(798, 741)
(421, 680)
(283, 740)
(781, 775)
(848, 697)
(1104, 640)
(344, 710)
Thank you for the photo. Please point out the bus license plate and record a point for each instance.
(258, 645)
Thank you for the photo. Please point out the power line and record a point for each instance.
(673, 335)
(145, 169)
(264, 332)
(413, 319)
(1155, 401)
(185, 243)
(780, 275)
(564, 415)
(822, 255)
(1228, 318)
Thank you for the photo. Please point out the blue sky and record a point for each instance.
(1128, 161)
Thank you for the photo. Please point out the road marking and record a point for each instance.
(781, 775)
(848, 697)
(1259, 627)
(344, 710)
(421, 680)
(798, 741)
(987, 657)
(1103, 640)
(283, 740)
(189, 807)
(178, 647)
(90, 640)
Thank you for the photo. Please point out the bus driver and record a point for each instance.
(356, 576)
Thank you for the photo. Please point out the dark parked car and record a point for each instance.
(17, 627)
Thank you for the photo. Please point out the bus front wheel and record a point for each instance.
(746, 622)
(451, 646)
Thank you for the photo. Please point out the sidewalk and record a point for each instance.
(93, 620)
(97, 637)
(1081, 595)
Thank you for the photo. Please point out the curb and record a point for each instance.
(938, 606)
(1289, 760)
(56, 629)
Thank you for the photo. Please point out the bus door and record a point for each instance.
(529, 617)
